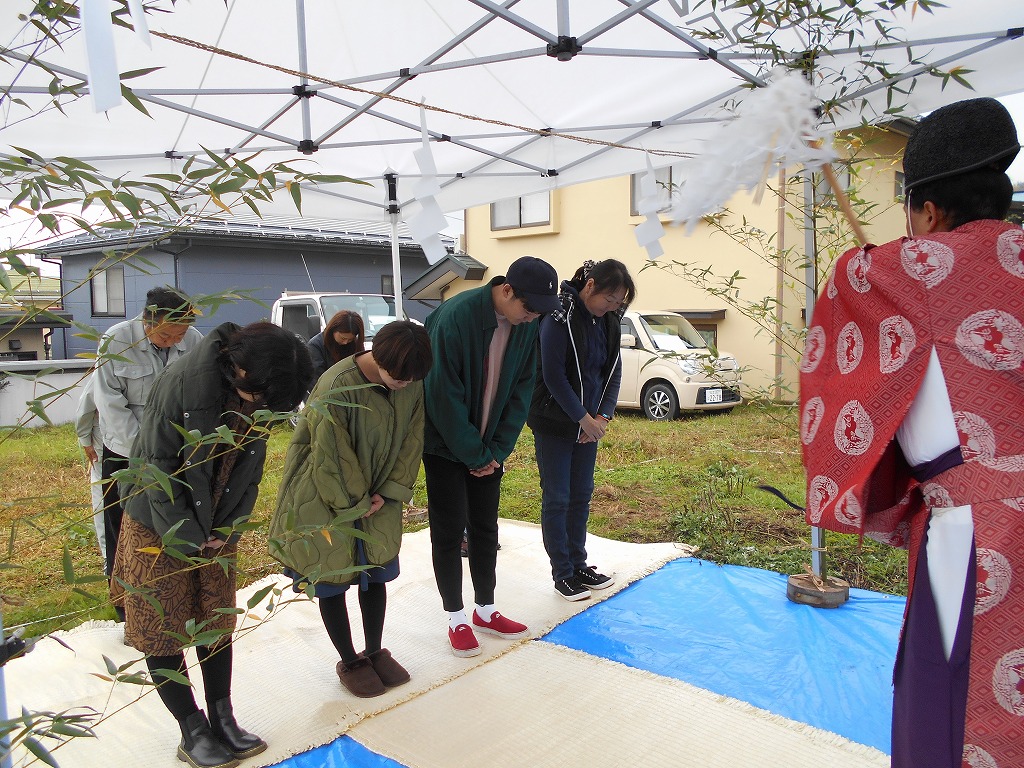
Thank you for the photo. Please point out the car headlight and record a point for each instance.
(690, 367)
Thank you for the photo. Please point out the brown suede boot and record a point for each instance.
(390, 672)
(359, 678)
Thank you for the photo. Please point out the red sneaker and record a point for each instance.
(463, 641)
(500, 626)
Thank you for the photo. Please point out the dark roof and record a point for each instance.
(241, 227)
(48, 319)
(431, 284)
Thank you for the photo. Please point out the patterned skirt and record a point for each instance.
(182, 590)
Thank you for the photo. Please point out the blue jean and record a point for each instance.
(567, 484)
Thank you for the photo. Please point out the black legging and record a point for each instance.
(110, 463)
(177, 697)
(373, 602)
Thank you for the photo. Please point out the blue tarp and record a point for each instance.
(340, 753)
(732, 630)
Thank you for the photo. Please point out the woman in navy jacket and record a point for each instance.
(573, 401)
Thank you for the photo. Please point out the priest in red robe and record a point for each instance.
(912, 423)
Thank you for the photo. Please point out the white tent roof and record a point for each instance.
(651, 74)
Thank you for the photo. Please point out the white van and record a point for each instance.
(306, 314)
(667, 366)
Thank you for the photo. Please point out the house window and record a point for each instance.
(900, 181)
(387, 285)
(709, 332)
(108, 292)
(527, 211)
(665, 178)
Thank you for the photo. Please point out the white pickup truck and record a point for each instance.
(306, 314)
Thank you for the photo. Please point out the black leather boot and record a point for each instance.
(199, 747)
(238, 741)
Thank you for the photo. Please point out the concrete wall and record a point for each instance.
(40, 381)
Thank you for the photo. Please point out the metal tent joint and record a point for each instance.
(303, 91)
(170, 154)
(565, 48)
(1014, 32)
(307, 147)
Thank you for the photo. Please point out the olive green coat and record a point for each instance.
(370, 440)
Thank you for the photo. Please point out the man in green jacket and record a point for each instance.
(478, 394)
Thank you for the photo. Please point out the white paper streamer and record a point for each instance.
(649, 232)
(101, 68)
(425, 226)
(773, 125)
(101, 64)
(139, 22)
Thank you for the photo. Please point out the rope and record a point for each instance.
(401, 100)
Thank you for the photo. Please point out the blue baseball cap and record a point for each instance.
(536, 281)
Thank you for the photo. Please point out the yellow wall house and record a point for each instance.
(727, 277)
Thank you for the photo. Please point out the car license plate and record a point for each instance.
(712, 395)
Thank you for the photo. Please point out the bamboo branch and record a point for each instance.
(844, 203)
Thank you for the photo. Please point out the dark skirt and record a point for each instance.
(182, 590)
(378, 574)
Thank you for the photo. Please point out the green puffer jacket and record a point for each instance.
(370, 440)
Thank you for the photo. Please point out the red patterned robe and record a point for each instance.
(868, 347)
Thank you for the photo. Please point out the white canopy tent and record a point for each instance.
(521, 96)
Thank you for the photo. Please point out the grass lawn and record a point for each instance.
(692, 480)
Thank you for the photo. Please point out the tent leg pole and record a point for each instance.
(394, 211)
(814, 588)
(396, 268)
(811, 280)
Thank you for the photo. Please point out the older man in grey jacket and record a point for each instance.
(130, 357)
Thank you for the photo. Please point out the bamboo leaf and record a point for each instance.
(132, 74)
(326, 178)
(69, 568)
(296, 193)
(171, 674)
(132, 99)
(217, 201)
(40, 751)
(258, 596)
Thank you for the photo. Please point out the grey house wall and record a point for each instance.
(264, 270)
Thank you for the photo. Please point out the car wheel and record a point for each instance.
(660, 402)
